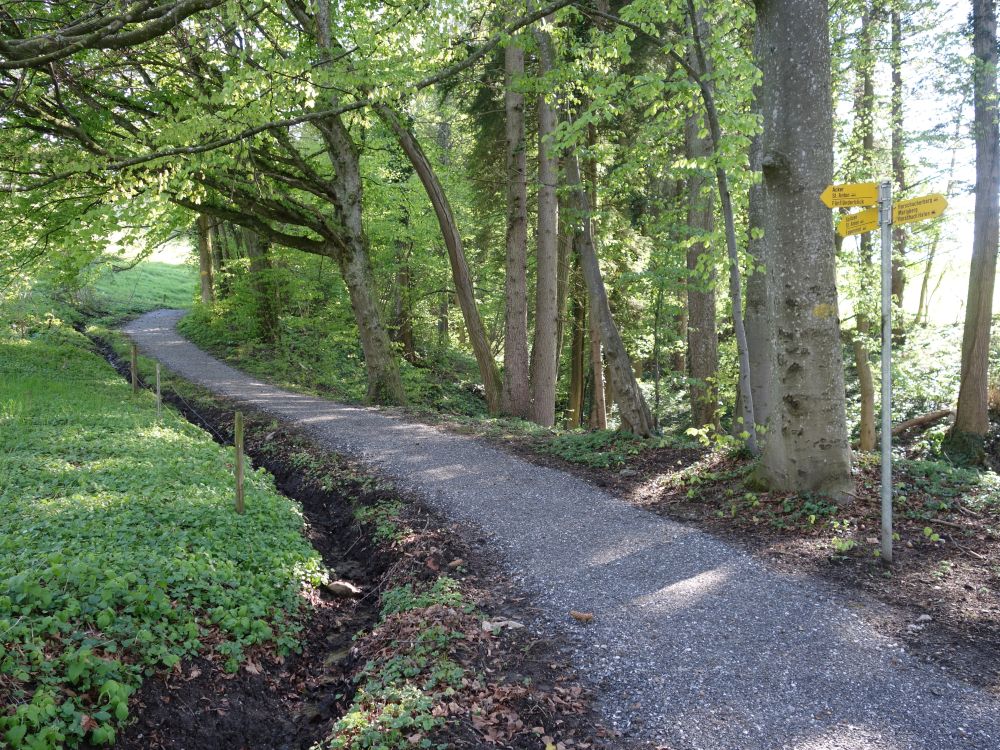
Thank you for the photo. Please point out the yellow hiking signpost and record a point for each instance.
(858, 223)
(918, 209)
(850, 194)
(882, 218)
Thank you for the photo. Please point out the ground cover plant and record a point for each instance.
(120, 553)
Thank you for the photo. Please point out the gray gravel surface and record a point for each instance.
(694, 644)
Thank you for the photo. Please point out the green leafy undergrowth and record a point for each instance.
(603, 449)
(120, 553)
(321, 353)
(410, 670)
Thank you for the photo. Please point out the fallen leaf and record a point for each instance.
(581, 616)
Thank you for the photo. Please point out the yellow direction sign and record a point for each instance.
(851, 194)
(917, 209)
(859, 223)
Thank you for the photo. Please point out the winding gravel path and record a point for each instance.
(694, 644)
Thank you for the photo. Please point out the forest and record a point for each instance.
(604, 237)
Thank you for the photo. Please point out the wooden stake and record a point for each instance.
(135, 369)
(159, 398)
(238, 441)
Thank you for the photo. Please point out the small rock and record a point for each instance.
(336, 657)
(495, 626)
(924, 618)
(914, 628)
(628, 473)
(342, 588)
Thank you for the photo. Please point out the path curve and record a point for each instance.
(694, 643)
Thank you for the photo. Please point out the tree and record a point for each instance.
(965, 440)
(806, 446)
(545, 348)
(516, 396)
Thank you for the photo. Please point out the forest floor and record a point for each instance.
(689, 641)
(942, 593)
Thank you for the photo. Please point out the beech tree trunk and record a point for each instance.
(205, 259)
(632, 408)
(545, 352)
(351, 254)
(702, 336)
(864, 143)
(574, 409)
(807, 447)
(598, 405)
(456, 256)
(972, 418)
(516, 396)
(402, 314)
(757, 320)
(562, 279)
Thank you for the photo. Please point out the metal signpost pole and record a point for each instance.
(885, 229)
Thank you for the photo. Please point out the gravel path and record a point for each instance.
(694, 644)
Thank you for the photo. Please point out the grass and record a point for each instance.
(120, 553)
(151, 284)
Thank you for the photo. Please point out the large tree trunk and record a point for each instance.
(403, 314)
(972, 418)
(702, 336)
(205, 259)
(574, 409)
(744, 401)
(216, 241)
(807, 447)
(384, 383)
(563, 278)
(516, 394)
(598, 405)
(864, 143)
(544, 352)
(756, 317)
(632, 408)
(456, 255)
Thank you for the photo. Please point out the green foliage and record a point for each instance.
(394, 705)
(604, 449)
(120, 553)
(445, 592)
(383, 517)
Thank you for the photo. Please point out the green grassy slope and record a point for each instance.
(120, 552)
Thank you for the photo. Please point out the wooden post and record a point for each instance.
(135, 369)
(159, 398)
(238, 442)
